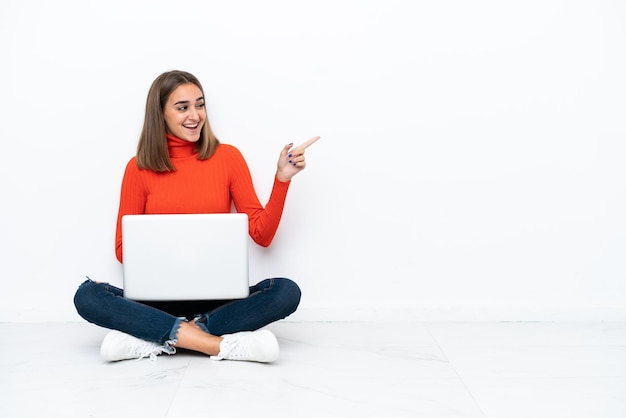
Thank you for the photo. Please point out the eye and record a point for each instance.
(200, 105)
(182, 108)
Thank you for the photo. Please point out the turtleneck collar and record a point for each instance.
(179, 148)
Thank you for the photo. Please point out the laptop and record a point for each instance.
(185, 256)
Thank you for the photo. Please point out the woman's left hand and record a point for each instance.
(291, 160)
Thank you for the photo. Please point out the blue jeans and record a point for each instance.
(105, 305)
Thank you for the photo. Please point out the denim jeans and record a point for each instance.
(106, 306)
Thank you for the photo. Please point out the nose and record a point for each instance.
(193, 114)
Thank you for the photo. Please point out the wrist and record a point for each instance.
(281, 178)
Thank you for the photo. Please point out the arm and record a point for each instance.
(132, 201)
(262, 221)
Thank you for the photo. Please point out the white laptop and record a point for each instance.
(185, 256)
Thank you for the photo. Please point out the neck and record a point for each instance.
(179, 148)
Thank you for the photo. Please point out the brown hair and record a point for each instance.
(152, 153)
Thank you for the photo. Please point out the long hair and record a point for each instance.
(152, 153)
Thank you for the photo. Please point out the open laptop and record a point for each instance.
(185, 256)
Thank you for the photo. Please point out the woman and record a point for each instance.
(181, 167)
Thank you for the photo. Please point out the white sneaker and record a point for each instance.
(260, 346)
(118, 346)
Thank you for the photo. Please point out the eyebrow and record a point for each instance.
(187, 101)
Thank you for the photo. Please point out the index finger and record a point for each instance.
(309, 142)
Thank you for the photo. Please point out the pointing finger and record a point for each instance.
(309, 142)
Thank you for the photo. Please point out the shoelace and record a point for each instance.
(149, 349)
(237, 350)
(226, 349)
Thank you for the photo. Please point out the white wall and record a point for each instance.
(471, 164)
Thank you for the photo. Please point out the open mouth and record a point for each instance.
(194, 126)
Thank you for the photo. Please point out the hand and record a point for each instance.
(291, 160)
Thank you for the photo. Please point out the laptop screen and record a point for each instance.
(185, 256)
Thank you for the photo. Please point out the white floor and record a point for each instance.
(330, 369)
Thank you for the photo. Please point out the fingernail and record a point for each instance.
(290, 156)
(294, 164)
(291, 143)
(289, 161)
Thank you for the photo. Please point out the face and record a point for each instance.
(184, 112)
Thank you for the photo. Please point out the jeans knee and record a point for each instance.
(85, 298)
(290, 295)
(80, 297)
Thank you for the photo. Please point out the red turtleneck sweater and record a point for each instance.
(200, 186)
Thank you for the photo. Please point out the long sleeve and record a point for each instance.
(132, 201)
(263, 221)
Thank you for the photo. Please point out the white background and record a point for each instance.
(471, 164)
